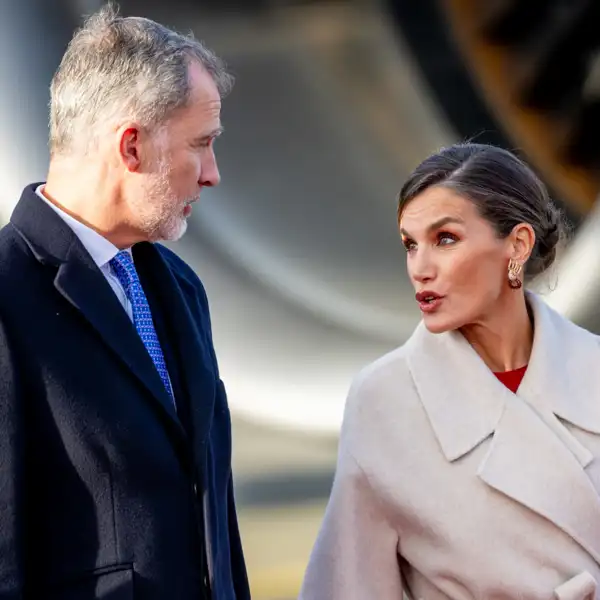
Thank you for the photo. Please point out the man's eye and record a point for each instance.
(205, 143)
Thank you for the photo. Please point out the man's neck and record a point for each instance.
(87, 196)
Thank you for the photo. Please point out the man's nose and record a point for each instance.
(210, 171)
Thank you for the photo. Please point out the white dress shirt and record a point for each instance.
(100, 249)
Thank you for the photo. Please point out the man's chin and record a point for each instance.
(179, 231)
(172, 232)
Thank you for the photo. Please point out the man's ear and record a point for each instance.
(129, 143)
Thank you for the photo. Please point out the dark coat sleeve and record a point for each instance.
(11, 475)
(236, 556)
(238, 566)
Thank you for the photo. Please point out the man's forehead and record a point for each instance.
(203, 87)
(201, 118)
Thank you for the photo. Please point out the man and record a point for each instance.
(115, 447)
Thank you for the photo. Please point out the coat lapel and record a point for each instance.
(80, 282)
(463, 400)
(196, 361)
(532, 458)
(529, 463)
(86, 289)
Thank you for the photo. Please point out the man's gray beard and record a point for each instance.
(166, 224)
(169, 225)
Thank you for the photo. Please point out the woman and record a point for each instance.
(469, 459)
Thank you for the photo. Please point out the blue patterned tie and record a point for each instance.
(124, 269)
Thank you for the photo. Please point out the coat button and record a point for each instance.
(580, 587)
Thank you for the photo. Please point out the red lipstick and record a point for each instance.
(428, 301)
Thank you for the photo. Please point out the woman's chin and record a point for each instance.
(437, 323)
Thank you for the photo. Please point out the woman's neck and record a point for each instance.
(505, 338)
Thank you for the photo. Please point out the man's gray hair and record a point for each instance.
(123, 67)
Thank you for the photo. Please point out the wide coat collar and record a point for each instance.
(533, 458)
(81, 283)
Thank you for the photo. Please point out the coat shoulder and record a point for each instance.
(183, 273)
(383, 385)
(573, 336)
(383, 416)
(389, 369)
(16, 262)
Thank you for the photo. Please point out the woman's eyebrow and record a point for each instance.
(437, 224)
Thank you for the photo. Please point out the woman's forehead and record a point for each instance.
(436, 204)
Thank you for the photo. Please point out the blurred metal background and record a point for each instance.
(335, 103)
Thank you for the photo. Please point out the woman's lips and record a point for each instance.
(428, 301)
(428, 306)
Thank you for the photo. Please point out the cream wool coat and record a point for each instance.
(449, 486)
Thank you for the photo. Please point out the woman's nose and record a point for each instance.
(421, 267)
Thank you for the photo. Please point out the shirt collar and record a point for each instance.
(100, 249)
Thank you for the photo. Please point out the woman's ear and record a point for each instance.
(522, 240)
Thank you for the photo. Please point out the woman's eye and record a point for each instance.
(409, 245)
(446, 238)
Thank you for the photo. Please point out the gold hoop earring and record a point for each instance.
(514, 274)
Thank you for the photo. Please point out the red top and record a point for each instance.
(512, 379)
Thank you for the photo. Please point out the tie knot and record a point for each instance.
(122, 265)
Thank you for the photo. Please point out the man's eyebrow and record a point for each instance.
(213, 134)
(437, 224)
